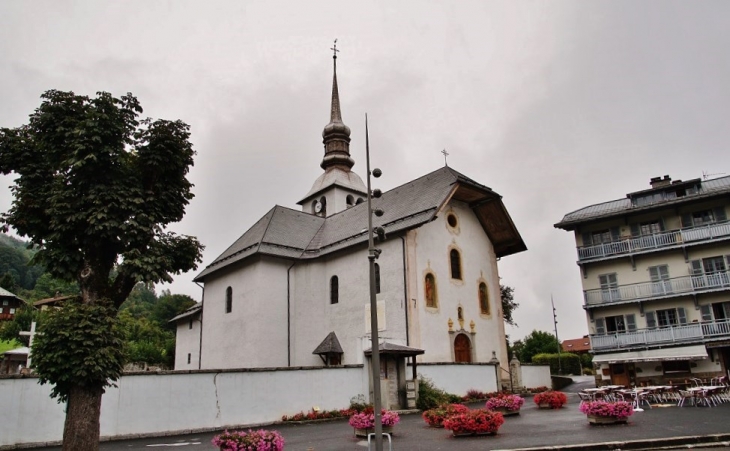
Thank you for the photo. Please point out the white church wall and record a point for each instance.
(458, 378)
(156, 404)
(534, 376)
(433, 242)
(187, 343)
(254, 333)
(313, 316)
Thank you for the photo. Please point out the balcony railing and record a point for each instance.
(654, 241)
(4, 316)
(677, 286)
(695, 332)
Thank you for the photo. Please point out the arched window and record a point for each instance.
(483, 299)
(377, 278)
(350, 200)
(334, 290)
(455, 258)
(430, 290)
(229, 300)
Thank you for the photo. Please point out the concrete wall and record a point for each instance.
(458, 378)
(536, 376)
(187, 343)
(159, 403)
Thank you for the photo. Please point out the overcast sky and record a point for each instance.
(555, 105)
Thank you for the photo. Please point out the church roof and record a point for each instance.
(188, 312)
(339, 177)
(296, 235)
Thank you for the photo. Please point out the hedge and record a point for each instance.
(570, 362)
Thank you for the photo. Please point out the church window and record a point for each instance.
(430, 290)
(334, 290)
(189, 358)
(377, 278)
(359, 201)
(229, 300)
(190, 326)
(483, 299)
(350, 201)
(455, 258)
(451, 220)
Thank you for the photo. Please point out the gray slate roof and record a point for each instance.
(394, 349)
(6, 294)
(330, 345)
(189, 312)
(708, 188)
(291, 234)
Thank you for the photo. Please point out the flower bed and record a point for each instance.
(601, 412)
(435, 417)
(261, 440)
(550, 399)
(506, 402)
(326, 414)
(366, 420)
(478, 421)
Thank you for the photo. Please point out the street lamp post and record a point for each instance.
(555, 323)
(373, 253)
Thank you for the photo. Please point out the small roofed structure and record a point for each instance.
(394, 350)
(397, 390)
(55, 301)
(9, 303)
(14, 360)
(330, 350)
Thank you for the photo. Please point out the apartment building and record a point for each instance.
(656, 285)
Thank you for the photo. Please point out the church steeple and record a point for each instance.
(336, 135)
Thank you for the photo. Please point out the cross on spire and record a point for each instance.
(334, 49)
(446, 154)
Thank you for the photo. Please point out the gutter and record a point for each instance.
(200, 342)
(405, 289)
(288, 314)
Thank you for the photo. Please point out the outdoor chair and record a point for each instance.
(584, 398)
(684, 395)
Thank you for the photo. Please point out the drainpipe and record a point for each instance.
(405, 289)
(200, 342)
(288, 314)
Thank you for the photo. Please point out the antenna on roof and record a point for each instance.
(706, 175)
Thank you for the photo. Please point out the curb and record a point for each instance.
(661, 443)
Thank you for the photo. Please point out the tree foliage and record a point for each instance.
(538, 342)
(78, 345)
(508, 304)
(96, 189)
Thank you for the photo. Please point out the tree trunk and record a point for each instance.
(81, 430)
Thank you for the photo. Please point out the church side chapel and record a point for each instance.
(293, 290)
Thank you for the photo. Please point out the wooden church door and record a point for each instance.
(462, 349)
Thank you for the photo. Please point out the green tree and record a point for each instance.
(95, 190)
(538, 342)
(168, 306)
(508, 304)
(48, 286)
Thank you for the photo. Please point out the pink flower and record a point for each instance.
(618, 409)
(509, 402)
(261, 440)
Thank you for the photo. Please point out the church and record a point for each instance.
(293, 290)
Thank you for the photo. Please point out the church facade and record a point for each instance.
(293, 290)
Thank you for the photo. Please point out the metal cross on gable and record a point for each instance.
(334, 49)
(446, 154)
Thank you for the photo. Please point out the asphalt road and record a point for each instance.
(532, 428)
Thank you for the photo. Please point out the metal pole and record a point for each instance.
(555, 323)
(375, 358)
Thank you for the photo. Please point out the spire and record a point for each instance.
(336, 135)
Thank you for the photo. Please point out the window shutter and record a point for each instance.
(706, 311)
(654, 273)
(720, 215)
(687, 220)
(661, 224)
(696, 267)
(650, 320)
(682, 315)
(600, 326)
(631, 322)
(635, 231)
(587, 239)
(615, 233)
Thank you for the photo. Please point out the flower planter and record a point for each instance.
(474, 422)
(507, 412)
(594, 419)
(470, 434)
(365, 432)
(544, 405)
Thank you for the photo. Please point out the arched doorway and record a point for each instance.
(462, 349)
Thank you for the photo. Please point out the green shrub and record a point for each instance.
(430, 397)
(570, 362)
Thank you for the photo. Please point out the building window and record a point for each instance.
(601, 236)
(5, 303)
(189, 358)
(609, 287)
(616, 324)
(675, 366)
(455, 260)
(700, 218)
(483, 299)
(452, 221)
(709, 272)
(350, 200)
(666, 318)
(377, 278)
(12, 311)
(430, 290)
(646, 228)
(229, 300)
(660, 283)
(334, 290)
(190, 326)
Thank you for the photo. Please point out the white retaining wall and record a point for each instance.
(458, 378)
(160, 403)
(536, 376)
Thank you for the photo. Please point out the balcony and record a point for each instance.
(4, 316)
(677, 286)
(649, 243)
(689, 333)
